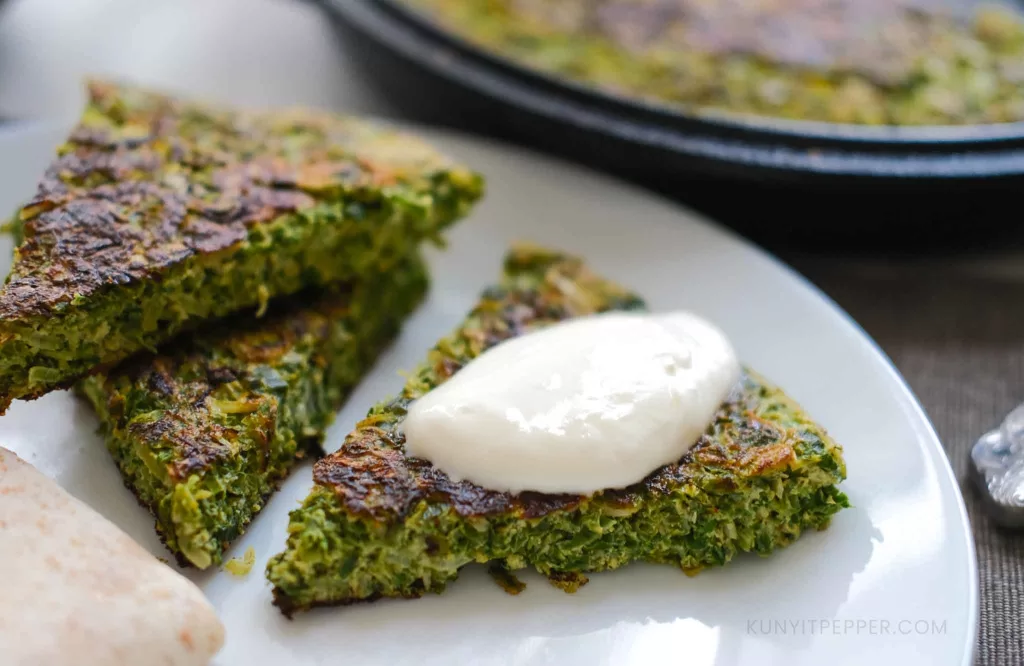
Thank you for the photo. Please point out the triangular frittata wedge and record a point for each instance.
(205, 430)
(158, 214)
(380, 524)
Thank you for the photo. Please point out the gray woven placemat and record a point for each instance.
(956, 333)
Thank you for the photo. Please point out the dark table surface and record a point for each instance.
(957, 336)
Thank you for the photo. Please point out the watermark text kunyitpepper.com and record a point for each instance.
(862, 626)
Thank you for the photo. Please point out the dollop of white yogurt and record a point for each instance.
(592, 403)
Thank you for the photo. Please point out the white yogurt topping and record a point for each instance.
(581, 406)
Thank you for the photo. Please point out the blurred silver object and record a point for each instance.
(997, 465)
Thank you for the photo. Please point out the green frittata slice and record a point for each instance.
(158, 213)
(380, 524)
(204, 431)
(869, 62)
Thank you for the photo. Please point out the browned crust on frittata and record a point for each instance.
(214, 359)
(288, 607)
(169, 181)
(371, 475)
(179, 557)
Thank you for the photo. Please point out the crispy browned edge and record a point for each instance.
(311, 448)
(74, 241)
(381, 482)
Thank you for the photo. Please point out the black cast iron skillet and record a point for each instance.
(772, 179)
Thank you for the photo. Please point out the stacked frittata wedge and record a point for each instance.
(216, 281)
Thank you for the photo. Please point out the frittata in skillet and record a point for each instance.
(872, 62)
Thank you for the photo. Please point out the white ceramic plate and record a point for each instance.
(892, 582)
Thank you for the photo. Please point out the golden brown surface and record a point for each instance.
(147, 181)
